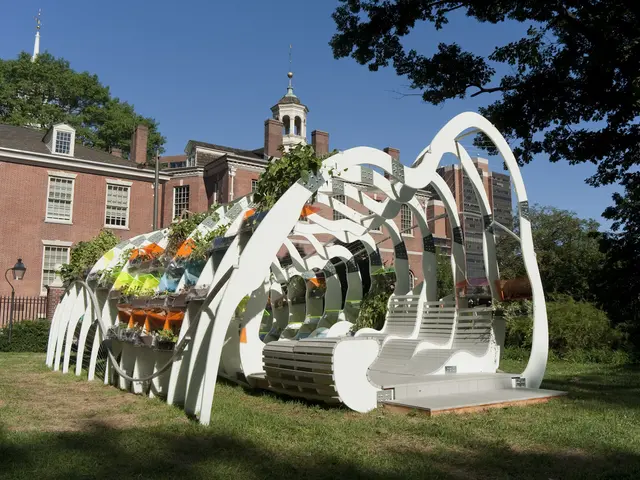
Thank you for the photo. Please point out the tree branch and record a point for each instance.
(481, 90)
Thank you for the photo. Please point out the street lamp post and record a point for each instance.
(18, 273)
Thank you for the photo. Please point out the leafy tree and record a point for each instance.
(567, 250)
(49, 91)
(568, 88)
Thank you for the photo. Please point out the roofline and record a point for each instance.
(78, 164)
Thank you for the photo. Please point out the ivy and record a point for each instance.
(84, 255)
(281, 174)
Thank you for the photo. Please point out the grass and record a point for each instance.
(55, 426)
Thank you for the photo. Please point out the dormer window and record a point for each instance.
(61, 139)
(63, 142)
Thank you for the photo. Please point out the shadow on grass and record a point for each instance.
(103, 452)
(618, 386)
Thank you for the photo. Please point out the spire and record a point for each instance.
(290, 75)
(36, 45)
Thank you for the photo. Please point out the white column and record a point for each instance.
(232, 175)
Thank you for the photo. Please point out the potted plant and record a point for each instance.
(165, 339)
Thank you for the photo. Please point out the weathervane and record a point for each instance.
(290, 74)
(37, 19)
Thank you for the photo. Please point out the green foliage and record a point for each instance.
(373, 307)
(567, 251)
(279, 176)
(578, 331)
(166, 335)
(180, 229)
(444, 275)
(84, 255)
(49, 91)
(26, 336)
(203, 242)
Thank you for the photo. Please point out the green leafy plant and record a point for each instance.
(180, 229)
(84, 255)
(297, 163)
(373, 308)
(166, 335)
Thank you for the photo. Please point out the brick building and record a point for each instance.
(57, 192)
(60, 192)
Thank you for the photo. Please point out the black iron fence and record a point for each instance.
(24, 308)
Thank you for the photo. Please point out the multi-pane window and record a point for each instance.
(406, 221)
(63, 142)
(180, 200)
(412, 280)
(342, 199)
(53, 258)
(254, 185)
(117, 211)
(60, 199)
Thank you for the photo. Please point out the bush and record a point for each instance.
(27, 336)
(578, 331)
(373, 308)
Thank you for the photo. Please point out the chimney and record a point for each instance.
(116, 152)
(272, 138)
(393, 153)
(320, 142)
(139, 144)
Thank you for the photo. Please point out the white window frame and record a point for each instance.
(117, 183)
(412, 280)
(254, 185)
(408, 233)
(174, 198)
(63, 176)
(72, 141)
(55, 244)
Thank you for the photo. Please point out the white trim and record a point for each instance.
(391, 250)
(57, 173)
(122, 183)
(57, 243)
(435, 203)
(76, 164)
(73, 190)
(106, 199)
(64, 128)
(52, 243)
(173, 208)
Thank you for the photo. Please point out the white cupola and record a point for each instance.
(293, 114)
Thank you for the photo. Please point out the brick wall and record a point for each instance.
(198, 201)
(23, 211)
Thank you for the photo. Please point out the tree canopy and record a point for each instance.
(568, 88)
(567, 250)
(49, 91)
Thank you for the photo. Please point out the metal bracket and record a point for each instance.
(524, 209)
(519, 382)
(385, 395)
(488, 223)
(136, 242)
(329, 270)
(401, 251)
(397, 170)
(457, 235)
(337, 186)
(233, 212)
(366, 175)
(313, 183)
(428, 245)
(208, 223)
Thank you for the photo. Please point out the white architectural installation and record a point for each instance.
(246, 317)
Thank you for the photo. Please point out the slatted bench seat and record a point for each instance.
(436, 330)
(469, 351)
(331, 370)
(403, 315)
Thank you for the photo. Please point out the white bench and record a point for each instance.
(402, 319)
(470, 352)
(436, 331)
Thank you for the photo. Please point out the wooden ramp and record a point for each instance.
(470, 402)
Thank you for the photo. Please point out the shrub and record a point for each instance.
(27, 336)
(84, 255)
(578, 331)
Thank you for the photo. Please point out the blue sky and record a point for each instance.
(211, 71)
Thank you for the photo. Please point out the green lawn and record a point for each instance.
(54, 426)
